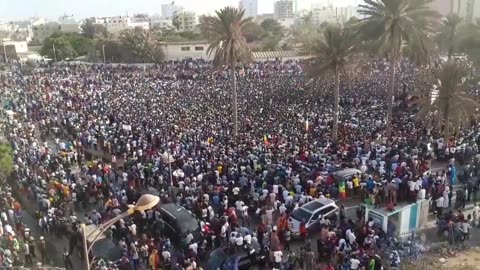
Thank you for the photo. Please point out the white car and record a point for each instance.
(311, 212)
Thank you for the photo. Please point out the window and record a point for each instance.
(185, 49)
(327, 210)
(199, 48)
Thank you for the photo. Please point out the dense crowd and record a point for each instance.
(89, 140)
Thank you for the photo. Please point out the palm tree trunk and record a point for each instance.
(234, 100)
(391, 88)
(446, 132)
(336, 112)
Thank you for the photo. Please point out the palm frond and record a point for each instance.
(333, 50)
(394, 23)
(453, 103)
(225, 32)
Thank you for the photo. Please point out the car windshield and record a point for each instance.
(189, 226)
(300, 214)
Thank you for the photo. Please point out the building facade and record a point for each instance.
(169, 10)
(42, 31)
(467, 9)
(184, 21)
(68, 24)
(283, 9)
(161, 23)
(333, 14)
(186, 50)
(250, 7)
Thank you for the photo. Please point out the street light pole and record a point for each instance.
(145, 202)
(54, 52)
(103, 50)
(5, 52)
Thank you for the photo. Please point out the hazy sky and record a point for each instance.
(52, 9)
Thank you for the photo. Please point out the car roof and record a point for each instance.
(346, 172)
(317, 204)
(178, 212)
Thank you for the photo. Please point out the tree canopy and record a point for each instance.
(6, 159)
(226, 35)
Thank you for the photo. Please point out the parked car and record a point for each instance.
(345, 174)
(312, 212)
(179, 222)
(236, 258)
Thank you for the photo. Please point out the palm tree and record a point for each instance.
(450, 103)
(448, 37)
(143, 44)
(332, 55)
(228, 45)
(394, 23)
(6, 160)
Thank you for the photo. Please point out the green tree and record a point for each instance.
(90, 29)
(272, 26)
(142, 46)
(451, 103)
(306, 33)
(332, 54)
(229, 46)
(6, 160)
(469, 40)
(448, 36)
(394, 23)
(176, 22)
(58, 48)
(253, 32)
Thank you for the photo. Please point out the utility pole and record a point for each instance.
(103, 51)
(5, 52)
(54, 52)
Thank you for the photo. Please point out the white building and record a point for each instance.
(186, 50)
(140, 20)
(250, 6)
(42, 31)
(117, 24)
(287, 22)
(184, 20)
(468, 9)
(283, 9)
(169, 10)
(333, 14)
(159, 22)
(68, 24)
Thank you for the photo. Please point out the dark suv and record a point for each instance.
(179, 222)
(241, 258)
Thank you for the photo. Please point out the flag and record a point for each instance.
(341, 190)
(265, 139)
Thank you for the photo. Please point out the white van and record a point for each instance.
(311, 213)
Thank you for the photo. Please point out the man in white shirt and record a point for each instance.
(465, 229)
(239, 204)
(439, 203)
(278, 259)
(354, 263)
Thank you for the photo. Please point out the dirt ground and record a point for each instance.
(465, 260)
(447, 259)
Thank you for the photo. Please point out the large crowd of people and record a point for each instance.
(89, 140)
